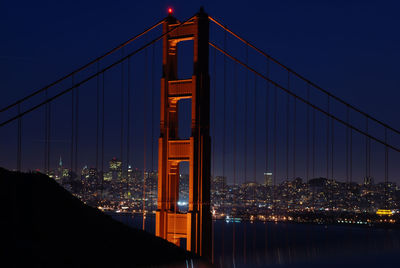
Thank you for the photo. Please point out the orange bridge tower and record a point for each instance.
(195, 224)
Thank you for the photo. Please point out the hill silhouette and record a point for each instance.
(43, 225)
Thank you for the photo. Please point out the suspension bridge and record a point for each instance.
(189, 122)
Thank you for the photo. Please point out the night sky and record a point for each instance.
(350, 48)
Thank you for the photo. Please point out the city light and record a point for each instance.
(384, 212)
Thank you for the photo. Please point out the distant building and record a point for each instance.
(183, 192)
(60, 169)
(115, 167)
(368, 180)
(219, 184)
(108, 176)
(268, 178)
(85, 172)
(93, 173)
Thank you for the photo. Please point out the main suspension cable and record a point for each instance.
(83, 67)
(301, 77)
(304, 100)
(93, 76)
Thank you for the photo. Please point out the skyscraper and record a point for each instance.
(268, 178)
(115, 167)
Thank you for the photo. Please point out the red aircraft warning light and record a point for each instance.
(170, 10)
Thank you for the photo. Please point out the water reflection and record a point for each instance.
(259, 244)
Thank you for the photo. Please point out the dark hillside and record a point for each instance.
(43, 225)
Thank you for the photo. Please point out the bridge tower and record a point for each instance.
(195, 225)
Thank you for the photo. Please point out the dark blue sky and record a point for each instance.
(351, 48)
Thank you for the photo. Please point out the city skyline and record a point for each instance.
(358, 94)
(264, 115)
(184, 171)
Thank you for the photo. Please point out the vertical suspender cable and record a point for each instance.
(224, 142)
(245, 117)
(144, 140)
(152, 124)
(48, 134)
(45, 137)
(234, 159)
(122, 114)
(128, 127)
(308, 136)
(76, 130)
(369, 157)
(327, 152)
(386, 170)
(287, 137)
(245, 142)
(287, 129)
(275, 141)
(19, 140)
(294, 137)
(308, 142)
(97, 116)
(351, 155)
(347, 144)
(97, 123)
(214, 113)
(213, 146)
(72, 126)
(102, 135)
(313, 144)
(267, 120)
(255, 137)
(332, 159)
(327, 139)
(313, 155)
(46, 121)
(332, 145)
(266, 154)
(366, 149)
(255, 162)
